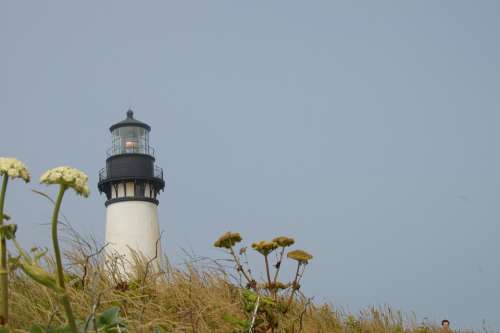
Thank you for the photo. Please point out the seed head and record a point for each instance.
(301, 256)
(278, 285)
(265, 247)
(228, 240)
(283, 241)
(14, 168)
(67, 176)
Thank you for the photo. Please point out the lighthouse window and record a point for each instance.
(130, 139)
(139, 190)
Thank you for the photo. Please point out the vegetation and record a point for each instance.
(198, 296)
(92, 294)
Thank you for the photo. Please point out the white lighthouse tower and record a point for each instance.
(131, 182)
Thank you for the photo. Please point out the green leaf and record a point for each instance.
(41, 329)
(4, 330)
(158, 330)
(40, 275)
(110, 321)
(235, 321)
(37, 329)
(8, 231)
(59, 330)
(109, 316)
(88, 324)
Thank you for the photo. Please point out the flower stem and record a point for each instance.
(271, 286)
(4, 278)
(278, 265)
(294, 287)
(57, 252)
(20, 250)
(240, 268)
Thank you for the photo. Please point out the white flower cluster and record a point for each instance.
(69, 177)
(14, 168)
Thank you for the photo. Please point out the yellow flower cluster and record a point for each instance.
(265, 247)
(14, 168)
(283, 241)
(301, 256)
(69, 177)
(228, 240)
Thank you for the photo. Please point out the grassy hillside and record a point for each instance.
(199, 296)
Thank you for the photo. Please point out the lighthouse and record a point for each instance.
(132, 182)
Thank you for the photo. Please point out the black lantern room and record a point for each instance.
(130, 173)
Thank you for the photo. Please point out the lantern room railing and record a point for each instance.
(157, 173)
(136, 149)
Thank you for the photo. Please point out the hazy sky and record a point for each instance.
(366, 130)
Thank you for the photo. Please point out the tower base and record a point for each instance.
(133, 235)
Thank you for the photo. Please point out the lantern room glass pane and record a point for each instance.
(130, 139)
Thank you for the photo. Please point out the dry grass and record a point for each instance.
(191, 298)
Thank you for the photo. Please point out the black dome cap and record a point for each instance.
(130, 121)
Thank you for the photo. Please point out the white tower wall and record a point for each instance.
(132, 226)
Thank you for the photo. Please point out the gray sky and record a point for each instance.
(366, 130)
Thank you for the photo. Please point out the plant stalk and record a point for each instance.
(294, 284)
(4, 278)
(21, 250)
(57, 252)
(271, 286)
(278, 265)
(240, 267)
